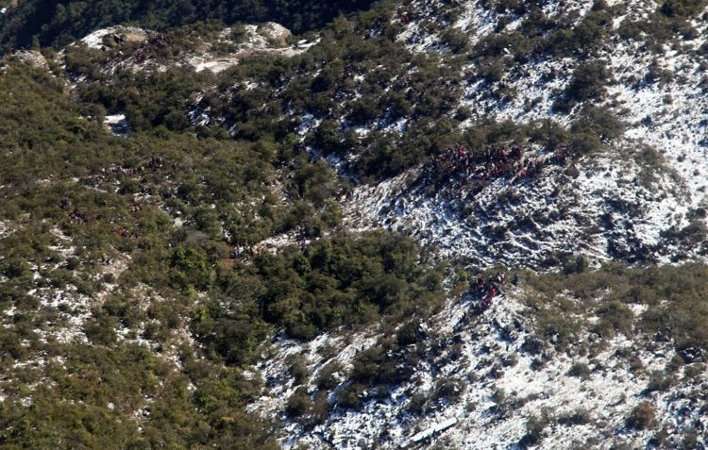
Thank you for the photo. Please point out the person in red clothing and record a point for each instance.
(487, 300)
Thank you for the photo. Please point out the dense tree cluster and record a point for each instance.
(331, 283)
(674, 299)
(93, 397)
(64, 177)
(342, 84)
(345, 83)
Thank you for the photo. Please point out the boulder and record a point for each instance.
(32, 58)
(276, 34)
(115, 36)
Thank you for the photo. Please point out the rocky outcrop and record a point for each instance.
(276, 34)
(113, 36)
(32, 58)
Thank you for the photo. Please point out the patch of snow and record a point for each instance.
(4, 230)
(558, 214)
(117, 124)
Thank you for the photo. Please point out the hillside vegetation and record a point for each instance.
(88, 218)
(60, 22)
(470, 224)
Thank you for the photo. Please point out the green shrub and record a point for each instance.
(660, 381)
(615, 317)
(191, 268)
(350, 396)
(449, 390)
(580, 370)
(596, 121)
(455, 40)
(578, 417)
(643, 416)
(298, 370)
(326, 379)
(15, 268)
(587, 83)
(299, 403)
(682, 8)
(417, 404)
(535, 427)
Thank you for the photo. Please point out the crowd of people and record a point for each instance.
(486, 289)
(507, 161)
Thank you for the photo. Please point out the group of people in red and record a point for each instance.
(492, 163)
(487, 288)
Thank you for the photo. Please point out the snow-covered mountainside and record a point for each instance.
(476, 224)
(642, 198)
(630, 202)
(485, 381)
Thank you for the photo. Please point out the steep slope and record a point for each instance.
(490, 380)
(466, 224)
(638, 199)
